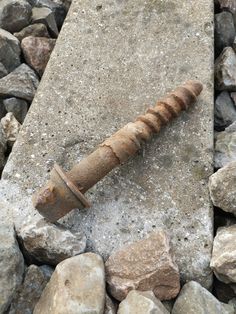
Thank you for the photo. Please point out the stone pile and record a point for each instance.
(28, 32)
(222, 183)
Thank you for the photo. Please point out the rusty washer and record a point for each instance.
(65, 190)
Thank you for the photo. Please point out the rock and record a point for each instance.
(3, 70)
(224, 31)
(138, 302)
(57, 7)
(225, 70)
(36, 30)
(3, 147)
(233, 303)
(222, 188)
(9, 51)
(229, 5)
(144, 265)
(110, 307)
(11, 259)
(14, 14)
(11, 128)
(50, 244)
(45, 16)
(31, 289)
(76, 286)
(223, 292)
(21, 83)
(66, 3)
(223, 261)
(193, 298)
(225, 111)
(3, 111)
(17, 106)
(37, 51)
(225, 149)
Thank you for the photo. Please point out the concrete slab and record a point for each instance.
(112, 60)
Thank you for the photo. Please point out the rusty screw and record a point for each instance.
(64, 191)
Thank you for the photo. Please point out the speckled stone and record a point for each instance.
(110, 63)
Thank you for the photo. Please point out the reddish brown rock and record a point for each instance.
(37, 51)
(144, 265)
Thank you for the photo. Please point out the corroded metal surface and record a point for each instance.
(64, 190)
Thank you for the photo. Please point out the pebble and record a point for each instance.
(144, 265)
(224, 31)
(229, 5)
(17, 106)
(110, 307)
(37, 51)
(11, 128)
(77, 286)
(225, 111)
(49, 243)
(45, 16)
(36, 30)
(3, 70)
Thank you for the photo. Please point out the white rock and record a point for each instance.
(50, 244)
(223, 260)
(76, 287)
(11, 128)
(138, 302)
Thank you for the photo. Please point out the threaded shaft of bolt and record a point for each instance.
(127, 141)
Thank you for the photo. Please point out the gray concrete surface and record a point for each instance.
(112, 60)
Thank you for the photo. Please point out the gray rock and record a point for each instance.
(224, 31)
(138, 302)
(193, 298)
(9, 51)
(223, 261)
(3, 147)
(36, 30)
(222, 188)
(45, 16)
(14, 14)
(224, 292)
(21, 83)
(229, 5)
(66, 3)
(110, 307)
(17, 106)
(225, 111)
(3, 70)
(225, 147)
(225, 70)
(233, 303)
(11, 259)
(11, 128)
(50, 244)
(31, 289)
(57, 7)
(76, 286)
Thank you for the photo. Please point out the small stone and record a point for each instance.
(31, 289)
(49, 243)
(9, 51)
(36, 30)
(224, 31)
(11, 259)
(76, 286)
(222, 188)
(141, 302)
(17, 106)
(14, 14)
(58, 8)
(144, 265)
(21, 83)
(110, 307)
(45, 16)
(223, 261)
(193, 298)
(229, 5)
(11, 128)
(225, 111)
(3, 70)
(37, 51)
(225, 147)
(225, 70)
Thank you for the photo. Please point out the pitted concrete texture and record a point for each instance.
(112, 60)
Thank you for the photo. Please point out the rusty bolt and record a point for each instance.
(65, 190)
